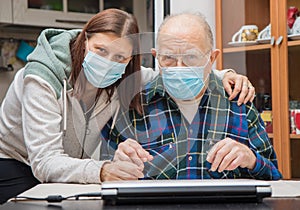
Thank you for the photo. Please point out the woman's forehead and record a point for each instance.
(111, 41)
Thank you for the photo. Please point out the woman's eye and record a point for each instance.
(102, 51)
(119, 58)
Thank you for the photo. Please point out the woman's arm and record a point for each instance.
(241, 85)
(43, 136)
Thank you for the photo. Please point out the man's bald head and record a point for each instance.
(191, 28)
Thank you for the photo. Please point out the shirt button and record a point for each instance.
(190, 158)
(170, 146)
(191, 131)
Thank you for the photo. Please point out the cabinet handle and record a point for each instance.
(279, 40)
(272, 42)
(71, 21)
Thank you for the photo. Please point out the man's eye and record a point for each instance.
(191, 57)
(169, 57)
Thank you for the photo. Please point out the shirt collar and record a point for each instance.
(154, 87)
(216, 85)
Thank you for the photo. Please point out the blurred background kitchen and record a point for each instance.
(21, 21)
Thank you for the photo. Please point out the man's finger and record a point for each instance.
(144, 155)
(223, 148)
(227, 160)
(120, 155)
(141, 152)
(131, 153)
(216, 154)
(234, 164)
(212, 152)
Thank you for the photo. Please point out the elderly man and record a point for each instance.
(185, 110)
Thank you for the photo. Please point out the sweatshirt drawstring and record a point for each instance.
(147, 131)
(115, 117)
(64, 106)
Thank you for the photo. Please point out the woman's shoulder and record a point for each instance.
(37, 85)
(148, 75)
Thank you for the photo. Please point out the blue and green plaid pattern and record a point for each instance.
(179, 147)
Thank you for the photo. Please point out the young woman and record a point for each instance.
(53, 112)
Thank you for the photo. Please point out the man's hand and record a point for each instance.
(229, 154)
(241, 85)
(131, 151)
(120, 170)
(128, 163)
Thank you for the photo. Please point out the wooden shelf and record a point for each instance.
(276, 65)
(295, 136)
(247, 48)
(292, 136)
(257, 47)
(294, 43)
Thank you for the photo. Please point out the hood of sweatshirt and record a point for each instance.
(51, 59)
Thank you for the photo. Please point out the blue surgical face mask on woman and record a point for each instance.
(184, 83)
(102, 72)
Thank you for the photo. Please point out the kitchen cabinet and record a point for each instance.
(6, 11)
(64, 13)
(53, 13)
(273, 67)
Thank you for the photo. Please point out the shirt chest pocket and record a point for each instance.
(164, 163)
(158, 144)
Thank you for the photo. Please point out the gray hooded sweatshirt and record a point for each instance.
(43, 126)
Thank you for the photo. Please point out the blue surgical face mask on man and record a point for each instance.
(102, 72)
(184, 83)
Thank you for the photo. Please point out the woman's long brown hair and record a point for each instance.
(122, 24)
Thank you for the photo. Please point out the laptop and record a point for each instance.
(185, 191)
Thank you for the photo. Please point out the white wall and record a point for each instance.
(206, 7)
(158, 14)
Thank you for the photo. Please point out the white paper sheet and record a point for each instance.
(44, 190)
(285, 188)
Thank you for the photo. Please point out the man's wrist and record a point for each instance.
(253, 160)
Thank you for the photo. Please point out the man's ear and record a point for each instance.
(213, 56)
(153, 52)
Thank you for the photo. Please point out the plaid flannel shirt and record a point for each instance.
(179, 147)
